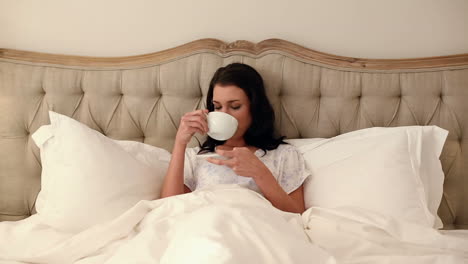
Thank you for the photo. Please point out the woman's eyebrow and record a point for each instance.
(230, 101)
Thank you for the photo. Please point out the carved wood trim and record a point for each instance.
(223, 48)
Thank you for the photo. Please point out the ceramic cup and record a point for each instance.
(221, 126)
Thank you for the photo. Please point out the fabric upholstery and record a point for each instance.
(145, 103)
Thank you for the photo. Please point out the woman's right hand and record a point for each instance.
(189, 124)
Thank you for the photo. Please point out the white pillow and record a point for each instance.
(395, 171)
(88, 178)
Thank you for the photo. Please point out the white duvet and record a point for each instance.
(230, 224)
(354, 235)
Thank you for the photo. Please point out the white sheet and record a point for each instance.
(354, 235)
(461, 233)
(230, 224)
(226, 224)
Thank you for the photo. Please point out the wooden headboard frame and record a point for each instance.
(238, 46)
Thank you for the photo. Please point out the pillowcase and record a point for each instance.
(88, 178)
(395, 171)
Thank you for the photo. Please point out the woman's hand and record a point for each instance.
(189, 124)
(243, 162)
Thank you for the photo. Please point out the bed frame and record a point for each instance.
(143, 97)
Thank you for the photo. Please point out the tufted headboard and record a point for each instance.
(143, 97)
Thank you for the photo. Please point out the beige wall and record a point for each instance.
(357, 28)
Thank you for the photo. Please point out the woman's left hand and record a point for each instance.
(243, 162)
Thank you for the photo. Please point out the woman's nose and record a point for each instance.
(224, 110)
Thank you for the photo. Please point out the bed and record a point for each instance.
(314, 95)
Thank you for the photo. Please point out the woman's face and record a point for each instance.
(233, 100)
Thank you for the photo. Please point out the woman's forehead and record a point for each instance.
(228, 93)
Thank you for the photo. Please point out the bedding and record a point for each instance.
(88, 178)
(357, 235)
(463, 234)
(224, 223)
(395, 171)
(232, 224)
(220, 224)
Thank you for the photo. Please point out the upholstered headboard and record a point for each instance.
(142, 98)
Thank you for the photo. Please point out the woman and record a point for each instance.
(254, 157)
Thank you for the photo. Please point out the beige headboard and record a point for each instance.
(142, 98)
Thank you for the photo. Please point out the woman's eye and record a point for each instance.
(235, 107)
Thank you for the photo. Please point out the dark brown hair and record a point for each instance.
(261, 132)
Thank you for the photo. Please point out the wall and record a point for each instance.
(355, 28)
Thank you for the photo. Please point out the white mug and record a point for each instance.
(221, 126)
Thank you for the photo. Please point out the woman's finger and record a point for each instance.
(198, 119)
(201, 113)
(229, 162)
(194, 124)
(225, 153)
(192, 131)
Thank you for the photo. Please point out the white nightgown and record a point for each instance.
(285, 163)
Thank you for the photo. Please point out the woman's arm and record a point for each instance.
(189, 124)
(174, 180)
(270, 188)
